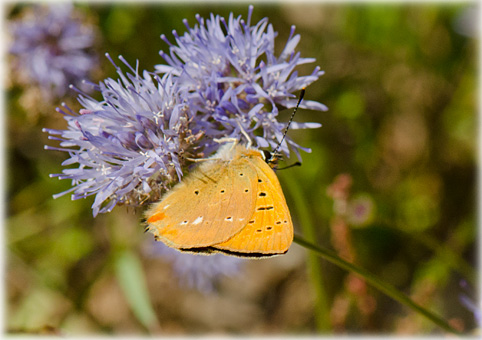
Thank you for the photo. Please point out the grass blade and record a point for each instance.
(375, 282)
(131, 279)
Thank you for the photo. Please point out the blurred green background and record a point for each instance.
(401, 87)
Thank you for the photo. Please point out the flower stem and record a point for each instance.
(375, 282)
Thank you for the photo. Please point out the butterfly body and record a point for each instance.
(231, 203)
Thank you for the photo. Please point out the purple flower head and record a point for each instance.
(50, 45)
(195, 271)
(129, 144)
(223, 79)
(235, 80)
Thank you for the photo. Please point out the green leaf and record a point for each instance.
(131, 279)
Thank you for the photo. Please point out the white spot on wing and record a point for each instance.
(198, 220)
(241, 219)
(166, 206)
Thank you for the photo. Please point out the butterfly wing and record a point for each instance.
(269, 231)
(209, 206)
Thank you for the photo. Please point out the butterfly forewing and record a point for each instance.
(209, 206)
(269, 229)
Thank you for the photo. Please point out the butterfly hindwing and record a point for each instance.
(209, 206)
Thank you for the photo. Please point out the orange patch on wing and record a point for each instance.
(156, 217)
(171, 232)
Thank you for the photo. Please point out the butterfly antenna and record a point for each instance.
(302, 93)
(289, 166)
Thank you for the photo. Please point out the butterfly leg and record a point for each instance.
(245, 134)
(226, 140)
(233, 142)
(196, 160)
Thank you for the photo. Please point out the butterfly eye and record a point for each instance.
(262, 194)
(260, 180)
(269, 228)
(196, 192)
(222, 191)
(267, 155)
(246, 190)
(241, 174)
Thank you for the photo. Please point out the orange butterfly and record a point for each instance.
(231, 203)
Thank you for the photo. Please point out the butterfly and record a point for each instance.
(231, 203)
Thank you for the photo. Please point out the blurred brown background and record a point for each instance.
(400, 84)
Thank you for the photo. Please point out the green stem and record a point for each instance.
(375, 282)
(322, 312)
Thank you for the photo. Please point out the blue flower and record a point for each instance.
(232, 75)
(217, 83)
(197, 271)
(128, 145)
(51, 48)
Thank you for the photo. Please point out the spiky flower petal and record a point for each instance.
(222, 79)
(234, 77)
(127, 144)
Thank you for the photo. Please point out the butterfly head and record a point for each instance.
(271, 158)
